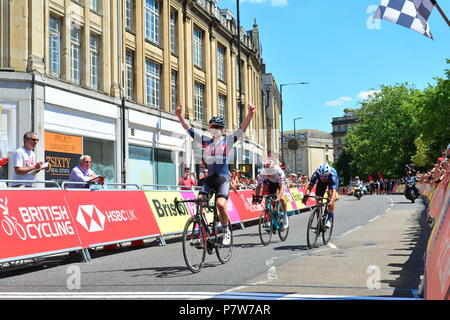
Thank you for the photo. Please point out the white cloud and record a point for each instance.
(338, 102)
(365, 94)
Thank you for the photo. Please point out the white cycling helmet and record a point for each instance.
(324, 170)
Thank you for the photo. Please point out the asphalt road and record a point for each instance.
(376, 250)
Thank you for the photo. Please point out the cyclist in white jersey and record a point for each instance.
(273, 179)
(218, 149)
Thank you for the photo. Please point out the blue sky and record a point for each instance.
(343, 54)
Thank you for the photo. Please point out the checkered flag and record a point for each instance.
(412, 14)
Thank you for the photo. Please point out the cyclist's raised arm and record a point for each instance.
(251, 111)
(179, 114)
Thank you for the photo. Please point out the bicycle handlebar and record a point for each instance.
(317, 198)
(258, 199)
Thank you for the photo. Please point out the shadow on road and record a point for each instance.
(415, 237)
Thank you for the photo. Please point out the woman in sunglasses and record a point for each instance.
(217, 156)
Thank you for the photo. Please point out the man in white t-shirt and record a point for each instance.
(24, 161)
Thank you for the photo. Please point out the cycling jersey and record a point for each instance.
(275, 175)
(217, 155)
(331, 183)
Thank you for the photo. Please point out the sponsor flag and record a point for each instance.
(412, 14)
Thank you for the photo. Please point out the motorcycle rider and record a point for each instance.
(410, 180)
(358, 186)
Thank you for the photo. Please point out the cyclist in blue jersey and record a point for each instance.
(325, 177)
(217, 155)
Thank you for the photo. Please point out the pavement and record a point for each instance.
(383, 258)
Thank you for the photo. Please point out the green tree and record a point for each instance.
(433, 119)
(383, 141)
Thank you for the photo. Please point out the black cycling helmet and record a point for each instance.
(217, 122)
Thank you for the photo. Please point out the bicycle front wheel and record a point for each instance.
(283, 233)
(194, 244)
(223, 251)
(313, 228)
(265, 227)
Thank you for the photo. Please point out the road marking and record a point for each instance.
(373, 219)
(332, 245)
(349, 231)
(387, 210)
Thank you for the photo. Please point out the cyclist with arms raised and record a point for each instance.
(217, 155)
(325, 177)
(272, 180)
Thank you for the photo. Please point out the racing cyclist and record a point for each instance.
(325, 177)
(272, 179)
(217, 155)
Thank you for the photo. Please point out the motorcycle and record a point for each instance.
(357, 192)
(411, 192)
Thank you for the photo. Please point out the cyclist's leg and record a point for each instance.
(222, 192)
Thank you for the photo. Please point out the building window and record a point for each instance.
(94, 5)
(198, 48)
(221, 63)
(94, 59)
(173, 89)
(198, 101)
(55, 47)
(221, 103)
(152, 8)
(129, 61)
(75, 54)
(173, 31)
(129, 14)
(153, 83)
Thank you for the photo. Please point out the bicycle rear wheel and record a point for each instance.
(313, 228)
(194, 244)
(223, 251)
(265, 227)
(326, 233)
(283, 234)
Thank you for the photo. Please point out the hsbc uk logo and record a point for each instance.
(91, 218)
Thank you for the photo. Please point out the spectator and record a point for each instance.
(82, 173)
(24, 161)
(187, 180)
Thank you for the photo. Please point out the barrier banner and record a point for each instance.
(437, 265)
(242, 200)
(162, 205)
(104, 217)
(291, 205)
(437, 199)
(34, 223)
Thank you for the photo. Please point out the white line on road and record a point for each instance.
(373, 219)
(349, 231)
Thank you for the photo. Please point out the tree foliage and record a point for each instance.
(398, 125)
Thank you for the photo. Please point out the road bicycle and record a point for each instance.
(201, 237)
(317, 221)
(271, 219)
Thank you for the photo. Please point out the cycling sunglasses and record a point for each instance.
(212, 126)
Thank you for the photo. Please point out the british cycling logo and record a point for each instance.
(91, 218)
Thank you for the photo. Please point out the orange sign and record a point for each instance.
(64, 143)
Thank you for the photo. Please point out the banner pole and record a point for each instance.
(442, 13)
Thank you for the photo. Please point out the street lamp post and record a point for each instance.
(281, 102)
(295, 151)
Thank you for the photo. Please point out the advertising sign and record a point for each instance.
(62, 152)
(163, 208)
(34, 222)
(104, 217)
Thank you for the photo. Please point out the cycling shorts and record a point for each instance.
(216, 184)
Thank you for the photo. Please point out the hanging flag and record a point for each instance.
(412, 14)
